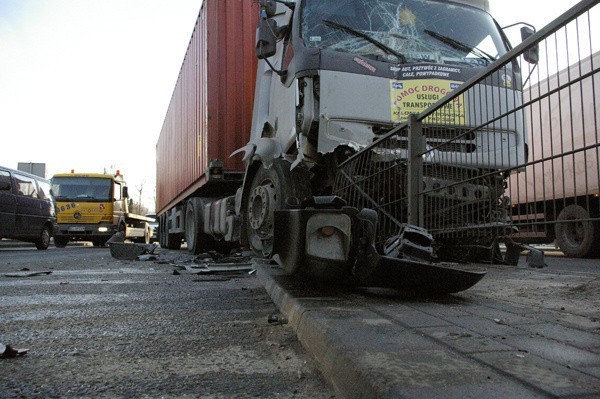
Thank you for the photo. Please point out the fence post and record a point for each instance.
(416, 149)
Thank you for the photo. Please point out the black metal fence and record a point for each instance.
(511, 155)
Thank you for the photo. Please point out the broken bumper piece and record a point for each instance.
(330, 241)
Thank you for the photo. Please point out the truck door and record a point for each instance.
(118, 203)
(8, 205)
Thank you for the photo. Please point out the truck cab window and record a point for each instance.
(117, 189)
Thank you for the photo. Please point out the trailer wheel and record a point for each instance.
(197, 241)
(162, 232)
(168, 240)
(574, 232)
(269, 192)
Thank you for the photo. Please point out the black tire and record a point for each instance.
(60, 242)
(162, 223)
(147, 234)
(197, 240)
(575, 234)
(99, 242)
(43, 240)
(170, 240)
(269, 192)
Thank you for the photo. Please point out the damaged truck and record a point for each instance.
(273, 96)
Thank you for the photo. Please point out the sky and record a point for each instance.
(85, 84)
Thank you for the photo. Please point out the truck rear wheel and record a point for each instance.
(574, 232)
(269, 192)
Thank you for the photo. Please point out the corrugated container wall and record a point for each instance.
(210, 112)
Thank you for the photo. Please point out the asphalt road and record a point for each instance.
(100, 327)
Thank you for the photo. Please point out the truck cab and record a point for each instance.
(93, 207)
(335, 76)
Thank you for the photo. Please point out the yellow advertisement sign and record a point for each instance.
(415, 96)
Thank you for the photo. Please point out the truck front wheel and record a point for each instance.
(269, 192)
(575, 232)
(60, 242)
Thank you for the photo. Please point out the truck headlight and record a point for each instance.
(102, 229)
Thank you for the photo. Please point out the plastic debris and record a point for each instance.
(126, 251)
(28, 274)
(214, 268)
(147, 257)
(6, 352)
(118, 237)
(276, 319)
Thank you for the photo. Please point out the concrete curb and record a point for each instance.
(367, 346)
(322, 344)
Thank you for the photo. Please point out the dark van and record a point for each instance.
(26, 207)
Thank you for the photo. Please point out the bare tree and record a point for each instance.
(140, 189)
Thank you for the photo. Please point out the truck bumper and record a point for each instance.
(84, 232)
(332, 242)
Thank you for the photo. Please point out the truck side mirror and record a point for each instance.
(269, 7)
(4, 185)
(532, 55)
(125, 192)
(266, 38)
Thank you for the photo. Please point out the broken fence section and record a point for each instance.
(511, 156)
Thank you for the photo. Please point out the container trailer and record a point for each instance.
(563, 135)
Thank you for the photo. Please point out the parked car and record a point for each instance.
(154, 226)
(27, 210)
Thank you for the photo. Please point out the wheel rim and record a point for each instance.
(45, 237)
(575, 232)
(261, 207)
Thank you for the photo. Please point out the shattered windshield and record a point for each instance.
(403, 30)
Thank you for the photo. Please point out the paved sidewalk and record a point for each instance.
(519, 333)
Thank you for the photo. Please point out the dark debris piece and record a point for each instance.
(7, 352)
(28, 274)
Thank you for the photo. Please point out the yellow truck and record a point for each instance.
(93, 207)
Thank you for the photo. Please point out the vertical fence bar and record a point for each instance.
(416, 149)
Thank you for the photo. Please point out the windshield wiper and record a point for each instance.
(362, 35)
(459, 45)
